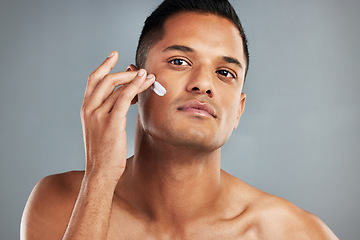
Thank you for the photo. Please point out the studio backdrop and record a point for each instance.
(299, 137)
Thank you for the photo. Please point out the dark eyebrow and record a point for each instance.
(179, 48)
(232, 60)
(183, 48)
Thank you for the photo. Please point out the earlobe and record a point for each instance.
(132, 67)
(240, 109)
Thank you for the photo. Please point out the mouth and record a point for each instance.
(198, 108)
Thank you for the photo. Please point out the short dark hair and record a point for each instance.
(153, 29)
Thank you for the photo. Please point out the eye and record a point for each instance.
(225, 73)
(178, 62)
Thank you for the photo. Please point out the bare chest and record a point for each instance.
(128, 227)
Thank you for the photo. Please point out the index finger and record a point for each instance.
(104, 69)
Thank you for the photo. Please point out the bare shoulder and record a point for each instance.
(280, 219)
(50, 205)
(270, 217)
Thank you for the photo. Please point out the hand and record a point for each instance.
(103, 116)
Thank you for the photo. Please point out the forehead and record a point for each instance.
(206, 33)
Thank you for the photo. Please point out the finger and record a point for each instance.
(122, 103)
(96, 76)
(107, 86)
(108, 104)
(149, 81)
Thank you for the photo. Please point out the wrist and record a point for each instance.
(103, 173)
(100, 181)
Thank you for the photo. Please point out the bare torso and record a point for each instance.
(246, 213)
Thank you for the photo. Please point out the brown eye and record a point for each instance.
(179, 62)
(225, 73)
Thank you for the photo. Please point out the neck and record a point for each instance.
(171, 184)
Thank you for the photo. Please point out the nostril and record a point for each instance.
(198, 90)
(195, 89)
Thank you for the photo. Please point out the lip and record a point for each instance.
(198, 108)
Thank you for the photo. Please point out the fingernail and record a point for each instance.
(141, 72)
(111, 54)
(150, 76)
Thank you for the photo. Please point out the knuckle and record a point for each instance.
(107, 76)
(107, 79)
(97, 115)
(85, 111)
(111, 80)
(92, 76)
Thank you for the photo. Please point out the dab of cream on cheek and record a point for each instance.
(158, 89)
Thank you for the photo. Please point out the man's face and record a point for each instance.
(201, 64)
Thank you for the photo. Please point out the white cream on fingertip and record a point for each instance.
(158, 89)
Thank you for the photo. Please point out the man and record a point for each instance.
(173, 187)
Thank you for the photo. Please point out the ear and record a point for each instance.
(240, 109)
(132, 67)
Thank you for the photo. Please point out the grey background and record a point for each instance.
(298, 138)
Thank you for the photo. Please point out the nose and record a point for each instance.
(201, 82)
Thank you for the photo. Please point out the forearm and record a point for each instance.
(103, 115)
(91, 214)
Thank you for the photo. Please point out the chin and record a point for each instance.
(202, 135)
(193, 138)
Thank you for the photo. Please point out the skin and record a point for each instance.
(173, 187)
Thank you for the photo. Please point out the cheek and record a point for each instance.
(151, 109)
(146, 106)
(173, 81)
(166, 82)
(231, 111)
